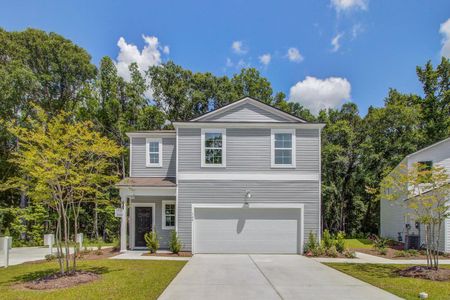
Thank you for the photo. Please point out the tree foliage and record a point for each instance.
(424, 192)
(64, 164)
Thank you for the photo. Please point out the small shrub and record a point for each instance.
(50, 257)
(317, 251)
(152, 242)
(382, 251)
(175, 243)
(327, 240)
(413, 252)
(380, 243)
(402, 253)
(332, 252)
(98, 252)
(312, 242)
(349, 253)
(340, 241)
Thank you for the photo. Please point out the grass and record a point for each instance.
(120, 279)
(383, 276)
(358, 243)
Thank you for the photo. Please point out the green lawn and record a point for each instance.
(358, 243)
(120, 279)
(383, 276)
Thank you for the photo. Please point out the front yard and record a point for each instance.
(383, 276)
(120, 279)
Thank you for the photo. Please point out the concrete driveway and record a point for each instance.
(211, 276)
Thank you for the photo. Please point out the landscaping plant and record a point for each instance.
(152, 241)
(175, 243)
(327, 240)
(340, 241)
(62, 163)
(424, 191)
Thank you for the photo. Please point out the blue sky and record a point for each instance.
(377, 44)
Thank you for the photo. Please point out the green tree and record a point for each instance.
(341, 138)
(66, 164)
(436, 101)
(423, 192)
(249, 82)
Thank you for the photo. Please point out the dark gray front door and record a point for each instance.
(143, 224)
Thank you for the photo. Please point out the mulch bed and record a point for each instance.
(98, 254)
(180, 254)
(391, 254)
(426, 273)
(58, 281)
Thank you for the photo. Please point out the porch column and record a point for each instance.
(123, 224)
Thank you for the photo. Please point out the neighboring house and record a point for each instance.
(244, 178)
(396, 221)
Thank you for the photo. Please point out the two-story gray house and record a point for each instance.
(245, 178)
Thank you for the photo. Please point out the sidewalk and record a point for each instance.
(21, 255)
(363, 258)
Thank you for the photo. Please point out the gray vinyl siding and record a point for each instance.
(138, 164)
(220, 192)
(248, 149)
(245, 112)
(163, 234)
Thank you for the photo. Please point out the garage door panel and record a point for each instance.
(246, 230)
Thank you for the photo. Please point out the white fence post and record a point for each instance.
(79, 240)
(6, 244)
(49, 240)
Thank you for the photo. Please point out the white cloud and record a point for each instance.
(357, 29)
(129, 53)
(294, 55)
(445, 31)
(166, 49)
(316, 94)
(265, 59)
(347, 5)
(335, 42)
(238, 47)
(229, 63)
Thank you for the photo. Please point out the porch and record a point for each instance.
(147, 204)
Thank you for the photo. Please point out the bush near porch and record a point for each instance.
(120, 279)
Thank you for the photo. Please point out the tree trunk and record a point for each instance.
(95, 229)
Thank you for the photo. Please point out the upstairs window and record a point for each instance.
(213, 147)
(154, 152)
(283, 148)
(168, 214)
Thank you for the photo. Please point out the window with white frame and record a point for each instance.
(283, 148)
(213, 147)
(168, 214)
(153, 152)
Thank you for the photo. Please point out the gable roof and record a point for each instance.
(247, 100)
(428, 147)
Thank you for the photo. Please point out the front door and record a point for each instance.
(143, 224)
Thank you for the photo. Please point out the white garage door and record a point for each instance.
(246, 230)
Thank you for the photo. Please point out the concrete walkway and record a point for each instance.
(266, 277)
(135, 254)
(363, 258)
(21, 255)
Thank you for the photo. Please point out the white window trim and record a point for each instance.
(272, 148)
(164, 203)
(147, 152)
(224, 147)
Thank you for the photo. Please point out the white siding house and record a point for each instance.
(394, 216)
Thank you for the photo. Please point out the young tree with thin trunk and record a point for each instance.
(424, 191)
(66, 163)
